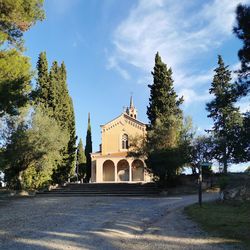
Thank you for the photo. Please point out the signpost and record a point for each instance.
(203, 164)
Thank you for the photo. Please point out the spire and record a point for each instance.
(131, 110)
(131, 102)
(89, 126)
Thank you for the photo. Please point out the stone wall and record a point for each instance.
(238, 187)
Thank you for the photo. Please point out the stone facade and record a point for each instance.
(112, 163)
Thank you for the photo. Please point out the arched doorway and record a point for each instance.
(137, 170)
(108, 170)
(123, 170)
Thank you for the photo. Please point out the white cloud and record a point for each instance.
(181, 30)
(189, 81)
(191, 96)
(112, 64)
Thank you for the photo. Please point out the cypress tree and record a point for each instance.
(71, 150)
(43, 86)
(63, 112)
(227, 118)
(163, 100)
(88, 150)
(54, 97)
(165, 124)
(81, 160)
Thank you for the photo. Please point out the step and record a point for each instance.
(103, 189)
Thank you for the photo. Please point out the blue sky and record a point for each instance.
(108, 47)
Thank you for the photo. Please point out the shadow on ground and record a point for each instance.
(101, 223)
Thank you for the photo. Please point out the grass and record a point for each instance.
(230, 220)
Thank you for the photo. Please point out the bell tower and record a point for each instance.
(131, 110)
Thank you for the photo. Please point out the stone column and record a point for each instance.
(130, 171)
(115, 171)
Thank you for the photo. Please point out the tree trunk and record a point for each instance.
(225, 165)
(19, 181)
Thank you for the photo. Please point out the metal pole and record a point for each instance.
(77, 173)
(200, 185)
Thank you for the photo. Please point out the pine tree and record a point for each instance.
(88, 150)
(242, 31)
(227, 118)
(165, 124)
(15, 70)
(81, 161)
(15, 79)
(17, 17)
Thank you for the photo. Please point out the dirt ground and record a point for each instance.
(103, 223)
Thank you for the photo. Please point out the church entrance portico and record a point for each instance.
(114, 169)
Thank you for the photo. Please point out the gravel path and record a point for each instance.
(102, 223)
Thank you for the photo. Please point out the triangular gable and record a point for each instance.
(115, 119)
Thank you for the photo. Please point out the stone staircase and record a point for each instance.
(103, 189)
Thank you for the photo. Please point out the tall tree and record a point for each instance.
(81, 161)
(71, 149)
(15, 78)
(17, 17)
(43, 85)
(227, 118)
(242, 151)
(163, 101)
(242, 31)
(53, 96)
(165, 124)
(88, 150)
(63, 111)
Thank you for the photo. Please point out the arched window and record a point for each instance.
(124, 141)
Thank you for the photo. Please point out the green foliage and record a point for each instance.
(242, 31)
(16, 17)
(164, 144)
(163, 102)
(15, 77)
(227, 118)
(62, 109)
(242, 140)
(200, 152)
(42, 92)
(81, 161)
(53, 97)
(33, 149)
(88, 150)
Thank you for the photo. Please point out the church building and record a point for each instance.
(112, 163)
